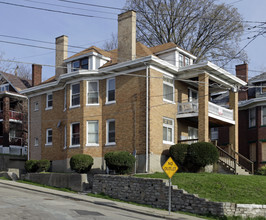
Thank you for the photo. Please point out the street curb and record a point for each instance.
(98, 201)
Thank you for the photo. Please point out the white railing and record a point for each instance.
(220, 111)
(192, 107)
(14, 150)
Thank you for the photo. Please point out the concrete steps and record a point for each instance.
(228, 164)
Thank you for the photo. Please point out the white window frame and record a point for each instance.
(173, 89)
(180, 62)
(71, 133)
(262, 107)
(4, 87)
(65, 137)
(47, 100)
(65, 99)
(89, 104)
(190, 90)
(87, 142)
(187, 63)
(167, 126)
(71, 105)
(250, 124)
(36, 142)
(107, 133)
(36, 106)
(47, 135)
(107, 91)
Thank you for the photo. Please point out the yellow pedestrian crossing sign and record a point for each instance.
(170, 167)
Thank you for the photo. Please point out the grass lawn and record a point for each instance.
(220, 187)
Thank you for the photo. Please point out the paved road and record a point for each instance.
(22, 201)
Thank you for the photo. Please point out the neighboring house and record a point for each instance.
(252, 117)
(135, 98)
(13, 115)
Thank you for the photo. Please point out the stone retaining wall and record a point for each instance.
(73, 181)
(154, 192)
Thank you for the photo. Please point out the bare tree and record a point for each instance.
(8, 66)
(206, 29)
(111, 44)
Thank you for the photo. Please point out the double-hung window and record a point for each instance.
(4, 87)
(181, 60)
(75, 65)
(49, 101)
(36, 106)
(168, 131)
(110, 91)
(252, 117)
(93, 93)
(92, 133)
(192, 95)
(75, 95)
(168, 89)
(75, 134)
(263, 115)
(186, 61)
(110, 132)
(49, 136)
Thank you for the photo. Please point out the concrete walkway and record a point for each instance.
(118, 205)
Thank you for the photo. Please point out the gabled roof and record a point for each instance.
(16, 82)
(259, 78)
(91, 49)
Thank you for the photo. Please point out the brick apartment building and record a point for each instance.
(13, 114)
(252, 117)
(134, 98)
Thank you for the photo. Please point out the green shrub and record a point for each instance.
(43, 165)
(31, 166)
(201, 154)
(81, 163)
(262, 170)
(178, 153)
(121, 162)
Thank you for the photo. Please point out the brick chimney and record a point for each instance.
(36, 74)
(126, 36)
(242, 73)
(60, 55)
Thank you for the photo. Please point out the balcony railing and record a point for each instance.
(13, 115)
(192, 107)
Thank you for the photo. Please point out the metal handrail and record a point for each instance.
(251, 163)
(228, 159)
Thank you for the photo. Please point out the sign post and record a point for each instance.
(170, 169)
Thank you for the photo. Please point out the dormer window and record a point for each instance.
(181, 60)
(186, 61)
(4, 87)
(80, 64)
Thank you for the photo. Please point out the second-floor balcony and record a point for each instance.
(13, 115)
(191, 109)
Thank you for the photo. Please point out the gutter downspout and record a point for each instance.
(147, 120)
(28, 128)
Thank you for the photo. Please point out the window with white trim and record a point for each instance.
(75, 95)
(49, 136)
(168, 89)
(49, 101)
(192, 133)
(181, 60)
(93, 93)
(65, 137)
(110, 132)
(263, 115)
(65, 98)
(4, 87)
(75, 134)
(252, 117)
(36, 142)
(186, 61)
(110, 90)
(168, 131)
(192, 95)
(36, 106)
(92, 133)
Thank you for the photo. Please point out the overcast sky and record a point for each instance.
(87, 31)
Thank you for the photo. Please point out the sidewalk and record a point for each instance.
(119, 205)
